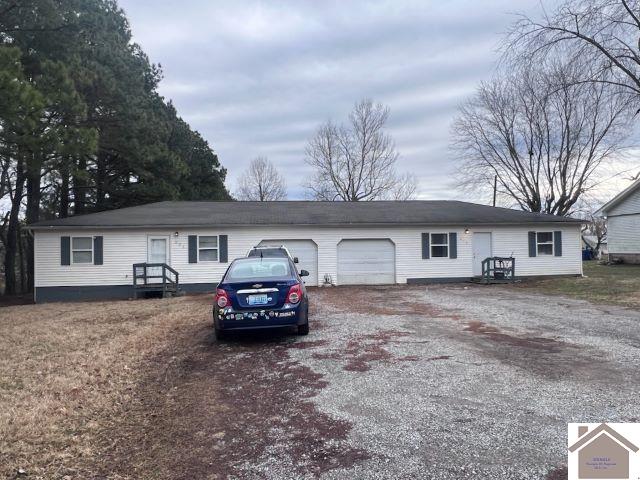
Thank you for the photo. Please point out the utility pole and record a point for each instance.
(495, 189)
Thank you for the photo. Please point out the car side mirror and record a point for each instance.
(304, 273)
(295, 260)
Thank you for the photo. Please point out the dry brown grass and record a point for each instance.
(67, 371)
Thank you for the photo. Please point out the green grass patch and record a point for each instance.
(614, 284)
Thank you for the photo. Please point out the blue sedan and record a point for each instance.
(258, 293)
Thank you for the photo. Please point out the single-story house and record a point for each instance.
(340, 243)
(623, 225)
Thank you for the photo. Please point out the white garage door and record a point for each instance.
(366, 262)
(307, 253)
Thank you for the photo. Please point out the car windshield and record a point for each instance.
(259, 268)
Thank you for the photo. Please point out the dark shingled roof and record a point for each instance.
(206, 214)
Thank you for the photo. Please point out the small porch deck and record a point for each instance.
(497, 270)
(155, 278)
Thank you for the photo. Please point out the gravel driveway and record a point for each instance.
(444, 382)
(462, 382)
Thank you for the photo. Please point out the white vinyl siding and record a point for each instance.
(123, 248)
(623, 226)
(630, 205)
(81, 249)
(623, 234)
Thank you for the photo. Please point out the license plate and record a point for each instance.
(257, 299)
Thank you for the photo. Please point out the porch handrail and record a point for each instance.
(503, 268)
(169, 276)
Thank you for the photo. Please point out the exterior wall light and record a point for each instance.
(466, 230)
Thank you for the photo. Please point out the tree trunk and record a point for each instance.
(80, 189)
(101, 180)
(32, 216)
(23, 261)
(63, 208)
(11, 244)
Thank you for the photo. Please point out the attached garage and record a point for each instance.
(307, 253)
(366, 262)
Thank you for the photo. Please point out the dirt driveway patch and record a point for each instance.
(209, 410)
(445, 382)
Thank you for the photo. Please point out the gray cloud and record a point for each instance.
(257, 78)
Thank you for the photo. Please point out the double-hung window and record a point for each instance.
(82, 249)
(208, 248)
(544, 243)
(439, 245)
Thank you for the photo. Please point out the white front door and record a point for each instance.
(481, 250)
(157, 252)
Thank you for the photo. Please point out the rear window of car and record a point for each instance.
(264, 268)
(267, 252)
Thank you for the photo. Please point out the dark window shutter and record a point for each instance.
(532, 244)
(453, 245)
(97, 250)
(557, 243)
(193, 249)
(222, 242)
(425, 245)
(65, 250)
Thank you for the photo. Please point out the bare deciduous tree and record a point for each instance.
(596, 227)
(405, 188)
(356, 161)
(603, 32)
(261, 182)
(541, 133)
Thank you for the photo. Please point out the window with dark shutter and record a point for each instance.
(208, 248)
(532, 244)
(97, 250)
(544, 242)
(439, 245)
(193, 249)
(65, 250)
(224, 240)
(453, 245)
(425, 245)
(557, 243)
(81, 250)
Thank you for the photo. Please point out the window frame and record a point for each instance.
(550, 242)
(72, 250)
(446, 245)
(217, 249)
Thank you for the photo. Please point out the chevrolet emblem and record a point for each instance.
(257, 285)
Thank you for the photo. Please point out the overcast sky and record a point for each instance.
(257, 78)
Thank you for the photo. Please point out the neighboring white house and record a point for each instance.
(92, 256)
(623, 225)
